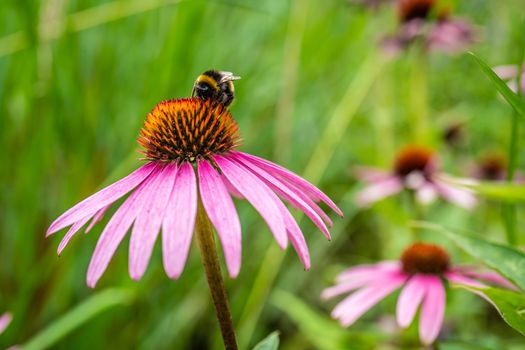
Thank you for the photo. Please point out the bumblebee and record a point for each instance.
(215, 85)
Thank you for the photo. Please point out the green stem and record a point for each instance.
(418, 95)
(509, 210)
(210, 260)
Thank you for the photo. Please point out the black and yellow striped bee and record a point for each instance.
(216, 85)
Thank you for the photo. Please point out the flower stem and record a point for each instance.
(210, 260)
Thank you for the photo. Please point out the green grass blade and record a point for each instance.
(511, 97)
(76, 317)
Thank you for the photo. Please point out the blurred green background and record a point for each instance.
(77, 78)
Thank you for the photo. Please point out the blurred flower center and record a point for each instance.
(425, 258)
(412, 9)
(413, 159)
(187, 130)
(493, 167)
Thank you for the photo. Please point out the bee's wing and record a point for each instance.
(228, 76)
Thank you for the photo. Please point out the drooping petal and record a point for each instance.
(379, 190)
(116, 229)
(458, 196)
(360, 270)
(459, 278)
(409, 300)
(258, 194)
(358, 281)
(507, 71)
(296, 236)
(286, 193)
(292, 178)
(98, 216)
(490, 277)
(355, 305)
(222, 213)
(432, 310)
(147, 225)
(102, 198)
(72, 231)
(179, 221)
(233, 191)
(371, 175)
(427, 193)
(5, 320)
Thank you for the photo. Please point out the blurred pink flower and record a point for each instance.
(189, 146)
(421, 272)
(5, 320)
(415, 168)
(422, 20)
(510, 73)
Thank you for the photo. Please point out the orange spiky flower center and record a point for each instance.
(188, 129)
(414, 158)
(425, 258)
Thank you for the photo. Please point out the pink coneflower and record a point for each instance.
(422, 272)
(510, 74)
(5, 320)
(189, 147)
(416, 169)
(422, 20)
(493, 166)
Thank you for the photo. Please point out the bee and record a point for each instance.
(215, 85)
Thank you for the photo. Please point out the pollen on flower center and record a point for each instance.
(413, 158)
(188, 129)
(425, 258)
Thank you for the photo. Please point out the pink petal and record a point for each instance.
(409, 300)
(358, 281)
(231, 189)
(147, 225)
(286, 193)
(294, 179)
(116, 229)
(426, 193)
(98, 216)
(221, 211)
(258, 194)
(507, 71)
(5, 320)
(179, 221)
(458, 196)
(432, 310)
(360, 270)
(354, 306)
(72, 231)
(379, 190)
(459, 278)
(296, 236)
(102, 198)
(371, 175)
(491, 277)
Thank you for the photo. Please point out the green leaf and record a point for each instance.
(502, 191)
(322, 332)
(512, 98)
(78, 316)
(510, 305)
(508, 261)
(271, 342)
